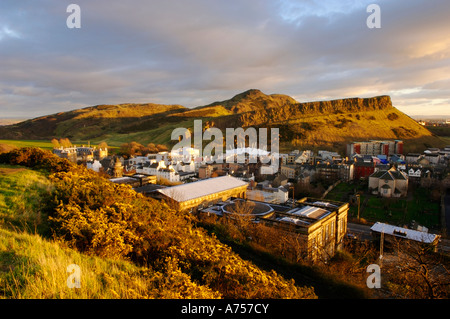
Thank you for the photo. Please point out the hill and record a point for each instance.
(88, 123)
(54, 213)
(325, 124)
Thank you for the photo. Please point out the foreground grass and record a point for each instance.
(34, 268)
(22, 197)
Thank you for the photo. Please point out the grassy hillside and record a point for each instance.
(22, 196)
(127, 246)
(46, 145)
(32, 267)
(324, 124)
(89, 123)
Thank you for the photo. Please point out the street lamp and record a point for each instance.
(293, 194)
(358, 198)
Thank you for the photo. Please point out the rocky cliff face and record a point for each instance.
(256, 101)
(277, 108)
(347, 105)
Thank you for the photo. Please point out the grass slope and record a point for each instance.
(32, 267)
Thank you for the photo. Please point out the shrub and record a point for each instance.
(97, 217)
(392, 116)
(34, 157)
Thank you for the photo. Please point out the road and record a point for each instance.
(363, 232)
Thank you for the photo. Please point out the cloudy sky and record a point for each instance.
(195, 52)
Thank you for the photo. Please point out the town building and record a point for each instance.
(412, 158)
(266, 169)
(334, 172)
(69, 153)
(321, 224)
(290, 171)
(375, 148)
(205, 171)
(203, 193)
(117, 169)
(389, 183)
(363, 168)
(268, 194)
(136, 180)
(94, 165)
(160, 170)
(112, 165)
(432, 158)
(81, 153)
(329, 156)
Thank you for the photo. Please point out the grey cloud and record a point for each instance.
(197, 52)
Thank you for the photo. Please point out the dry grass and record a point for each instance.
(34, 268)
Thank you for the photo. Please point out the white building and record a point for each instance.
(274, 195)
(268, 169)
(135, 161)
(304, 157)
(185, 154)
(181, 166)
(329, 156)
(160, 170)
(95, 166)
(414, 173)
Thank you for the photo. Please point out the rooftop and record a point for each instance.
(309, 211)
(189, 191)
(240, 206)
(404, 233)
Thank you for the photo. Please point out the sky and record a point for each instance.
(195, 52)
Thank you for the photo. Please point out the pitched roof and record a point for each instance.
(391, 174)
(189, 191)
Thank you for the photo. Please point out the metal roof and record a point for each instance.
(404, 233)
(189, 191)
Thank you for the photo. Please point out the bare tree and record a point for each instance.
(418, 272)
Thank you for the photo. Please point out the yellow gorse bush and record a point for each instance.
(97, 217)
